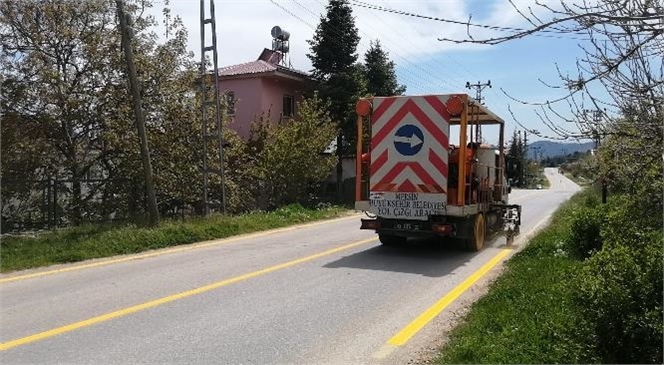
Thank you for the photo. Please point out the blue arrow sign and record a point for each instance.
(408, 140)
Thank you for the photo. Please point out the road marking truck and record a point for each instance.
(412, 180)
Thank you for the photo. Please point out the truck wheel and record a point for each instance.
(476, 242)
(390, 240)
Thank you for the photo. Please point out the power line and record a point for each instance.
(416, 84)
(466, 23)
(459, 64)
(368, 47)
(426, 79)
(431, 74)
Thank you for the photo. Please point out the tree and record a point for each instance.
(623, 44)
(380, 74)
(292, 162)
(334, 46)
(58, 76)
(66, 82)
(333, 57)
(516, 159)
(619, 288)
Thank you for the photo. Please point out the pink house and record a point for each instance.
(260, 86)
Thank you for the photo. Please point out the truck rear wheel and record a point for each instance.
(391, 240)
(476, 242)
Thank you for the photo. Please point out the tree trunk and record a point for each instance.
(76, 193)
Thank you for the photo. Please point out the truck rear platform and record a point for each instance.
(413, 182)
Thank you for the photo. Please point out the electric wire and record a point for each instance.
(391, 51)
(416, 84)
(427, 79)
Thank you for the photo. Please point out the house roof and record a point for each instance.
(262, 65)
(253, 67)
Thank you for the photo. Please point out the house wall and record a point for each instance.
(248, 102)
(255, 95)
(274, 89)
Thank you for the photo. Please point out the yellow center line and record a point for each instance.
(171, 298)
(432, 312)
(188, 247)
(423, 319)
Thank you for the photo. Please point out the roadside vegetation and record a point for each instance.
(538, 179)
(521, 171)
(69, 141)
(587, 289)
(95, 241)
(582, 169)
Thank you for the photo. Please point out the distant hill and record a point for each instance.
(552, 149)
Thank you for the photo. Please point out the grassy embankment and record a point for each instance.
(587, 289)
(578, 179)
(524, 319)
(96, 241)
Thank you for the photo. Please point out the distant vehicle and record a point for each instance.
(418, 183)
(539, 186)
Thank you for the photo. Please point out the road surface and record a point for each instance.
(320, 293)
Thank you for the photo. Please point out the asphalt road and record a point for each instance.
(320, 293)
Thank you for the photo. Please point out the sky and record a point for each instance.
(424, 64)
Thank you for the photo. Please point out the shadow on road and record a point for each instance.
(422, 257)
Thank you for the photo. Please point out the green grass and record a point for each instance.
(529, 315)
(95, 241)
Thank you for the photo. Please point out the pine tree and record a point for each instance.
(514, 159)
(334, 46)
(380, 74)
(340, 80)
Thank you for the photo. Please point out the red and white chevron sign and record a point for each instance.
(409, 155)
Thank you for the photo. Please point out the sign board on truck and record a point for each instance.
(409, 156)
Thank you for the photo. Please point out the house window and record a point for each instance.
(289, 106)
(230, 103)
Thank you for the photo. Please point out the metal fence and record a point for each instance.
(30, 205)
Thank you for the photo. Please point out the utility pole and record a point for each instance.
(479, 87)
(525, 157)
(127, 35)
(217, 134)
(594, 130)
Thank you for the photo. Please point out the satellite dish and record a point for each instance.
(280, 34)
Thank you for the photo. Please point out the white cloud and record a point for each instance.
(244, 26)
(243, 30)
(424, 64)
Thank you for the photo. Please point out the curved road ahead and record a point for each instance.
(320, 293)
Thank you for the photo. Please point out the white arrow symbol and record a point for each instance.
(414, 140)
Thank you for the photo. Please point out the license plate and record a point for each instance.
(407, 226)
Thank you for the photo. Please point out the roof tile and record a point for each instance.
(253, 67)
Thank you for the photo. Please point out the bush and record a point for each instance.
(620, 287)
(281, 163)
(292, 162)
(585, 238)
(627, 223)
(620, 293)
